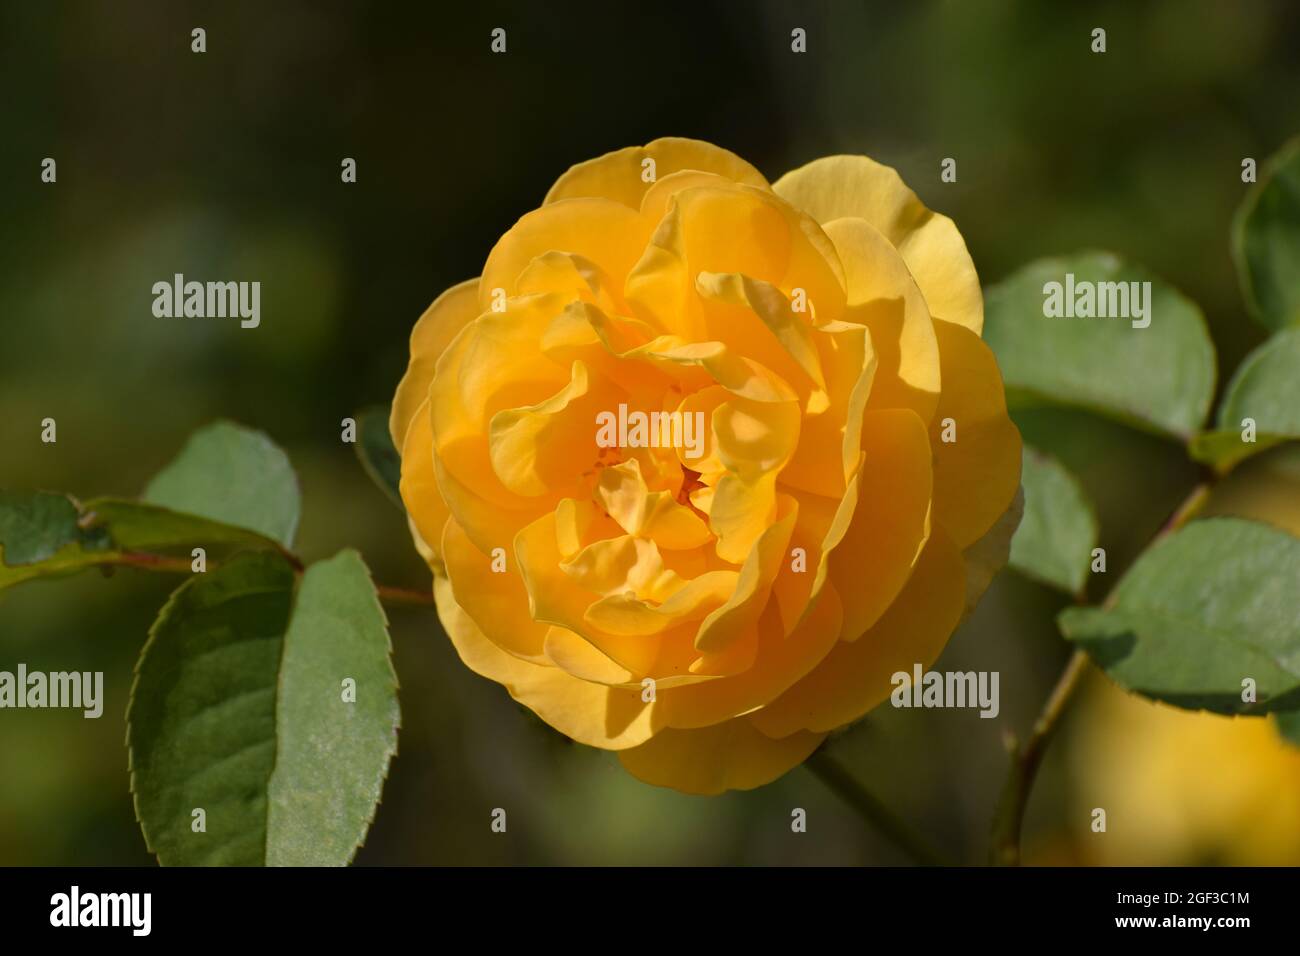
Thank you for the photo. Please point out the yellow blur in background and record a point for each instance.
(1182, 787)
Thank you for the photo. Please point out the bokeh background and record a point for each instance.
(226, 165)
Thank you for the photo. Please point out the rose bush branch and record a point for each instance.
(169, 564)
(1008, 818)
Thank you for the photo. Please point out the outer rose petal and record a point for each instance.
(883, 296)
(839, 186)
(727, 756)
(433, 332)
(611, 718)
(617, 175)
(855, 677)
(976, 476)
(497, 603)
(419, 486)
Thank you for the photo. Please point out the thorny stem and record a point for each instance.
(871, 809)
(404, 597)
(1025, 759)
(395, 596)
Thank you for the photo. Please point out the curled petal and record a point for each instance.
(612, 718)
(542, 448)
(935, 253)
(883, 296)
(602, 231)
(732, 230)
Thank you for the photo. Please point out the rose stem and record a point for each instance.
(394, 596)
(831, 773)
(1008, 818)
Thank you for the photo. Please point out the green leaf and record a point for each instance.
(69, 560)
(1266, 241)
(1288, 725)
(35, 526)
(238, 709)
(63, 537)
(1200, 611)
(136, 526)
(333, 756)
(1059, 530)
(232, 475)
(374, 447)
(41, 534)
(1159, 378)
(1265, 388)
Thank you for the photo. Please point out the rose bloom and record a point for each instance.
(711, 614)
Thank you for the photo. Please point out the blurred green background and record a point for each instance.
(226, 165)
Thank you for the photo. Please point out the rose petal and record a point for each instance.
(838, 186)
(611, 718)
(873, 554)
(856, 676)
(727, 756)
(607, 233)
(418, 485)
(496, 601)
(433, 332)
(618, 175)
(883, 296)
(976, 476)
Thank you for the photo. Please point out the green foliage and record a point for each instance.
(265, 694)
(41, 534)
(36, 526)
(1200, 611)
(1058, 531)
(239, 707)
(238, 710)
(1266, 241)
(136, 526)
(381, 461)
(1265, 388)
(233, 475)
(1160, 378)
(1288, 725)
(58, 536)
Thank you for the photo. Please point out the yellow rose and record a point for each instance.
(709, 612)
